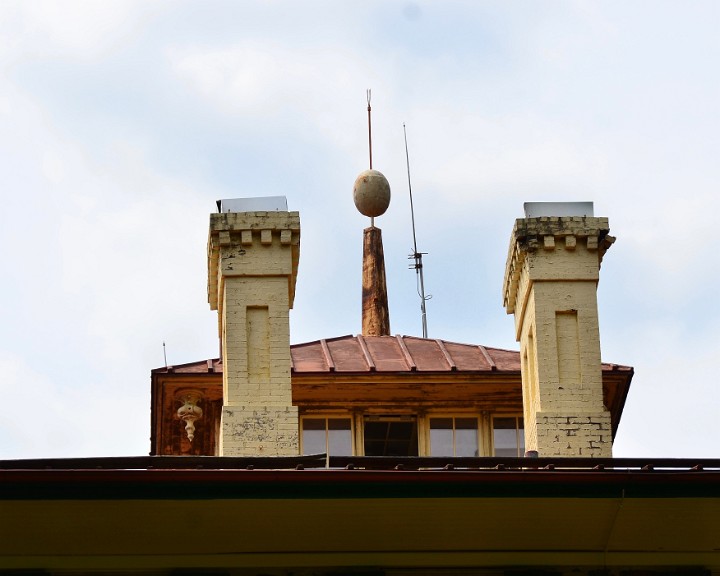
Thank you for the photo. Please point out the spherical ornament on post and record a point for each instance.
(371, 193)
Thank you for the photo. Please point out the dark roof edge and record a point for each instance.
(428, 463)
(322, 484)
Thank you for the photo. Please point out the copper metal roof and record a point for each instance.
(388, 354)
(398, 354)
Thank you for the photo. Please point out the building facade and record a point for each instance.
(379, 395)
(376, 454)
(376, 395)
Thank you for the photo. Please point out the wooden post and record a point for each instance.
(375, 314)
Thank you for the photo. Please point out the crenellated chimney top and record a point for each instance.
(550, 286)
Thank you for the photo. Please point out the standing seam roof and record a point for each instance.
(388, 354)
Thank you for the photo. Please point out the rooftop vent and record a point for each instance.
(539, 209)
(259, 204)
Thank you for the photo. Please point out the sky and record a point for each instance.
(122, 122)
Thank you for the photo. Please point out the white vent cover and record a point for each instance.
(539, 209)
(259, 204)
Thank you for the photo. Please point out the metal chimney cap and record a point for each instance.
(557, 209)
(257, 204)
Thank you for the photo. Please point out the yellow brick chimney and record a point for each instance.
(550, 286)
(252, 268)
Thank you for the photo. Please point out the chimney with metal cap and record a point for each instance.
(253, 254)
(550, 286)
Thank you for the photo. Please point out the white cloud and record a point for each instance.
(273, 84)
(80, 29)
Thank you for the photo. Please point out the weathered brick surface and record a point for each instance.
(574, 434)
(259, 431)
(252, 267)
(551, 286)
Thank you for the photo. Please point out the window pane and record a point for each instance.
(402, 439)
(505, 436)
(313, 436)
(441, 423)
(338, 423)
(314, 424)
(441, 437)
(390, 438)
(314, 442)
(466, 437)
(339, 437)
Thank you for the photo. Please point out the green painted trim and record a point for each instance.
(327, 486)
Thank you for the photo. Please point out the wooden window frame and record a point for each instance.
(481, 429)
(519, 436)
(329, 416)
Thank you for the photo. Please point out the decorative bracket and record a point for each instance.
(189, 412)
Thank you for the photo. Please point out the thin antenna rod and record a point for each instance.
(164, 354)
(369, 127)
(372, 218)
(416, 256)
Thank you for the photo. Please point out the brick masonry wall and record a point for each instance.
(551, 287)
(574, 434)
(256, 355)
(252, 265)
(259, 431)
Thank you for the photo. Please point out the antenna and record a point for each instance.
(416, 256)
(164, 354)
(369, 126)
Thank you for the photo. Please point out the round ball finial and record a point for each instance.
(371, 193)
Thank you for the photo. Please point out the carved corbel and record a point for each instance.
(189, 412)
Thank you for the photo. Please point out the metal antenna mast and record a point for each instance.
(372, 218)
(416, 256)
(369, 127)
